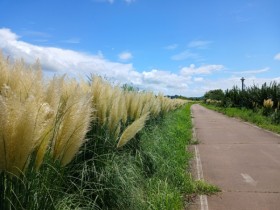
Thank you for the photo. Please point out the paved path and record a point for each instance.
(243, 160)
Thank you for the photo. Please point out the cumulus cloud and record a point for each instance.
(165, 81)
(206, 69)
(125, 56)
(198, 79)
(277, 57)
(6, 33)
(185, 55)
(188, 81)
(60, 61)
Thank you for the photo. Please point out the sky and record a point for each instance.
(183, 47)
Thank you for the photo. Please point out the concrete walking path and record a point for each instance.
(243, 160)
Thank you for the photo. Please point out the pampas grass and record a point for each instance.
(76, 115)
(132, 130)
(116, 111)
(38, 117)
(62, 135)
(22, 122)
(53, 117)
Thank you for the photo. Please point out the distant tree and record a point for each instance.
(128, 87)
(217, 94)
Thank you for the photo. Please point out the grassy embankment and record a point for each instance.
(249, 115)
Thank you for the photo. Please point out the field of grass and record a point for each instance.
(249, 115)
(68, 144)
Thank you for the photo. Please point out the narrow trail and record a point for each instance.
(243, 160)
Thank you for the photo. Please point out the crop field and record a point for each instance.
(87, 144)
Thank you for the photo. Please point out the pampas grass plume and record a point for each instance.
(132, 130)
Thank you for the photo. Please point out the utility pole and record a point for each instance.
(242, 80)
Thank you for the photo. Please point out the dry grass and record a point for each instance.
(132, 130)
(268, 103)
(53, 117)
(23, 114)
(75, 115)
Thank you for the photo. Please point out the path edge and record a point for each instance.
(198, 166)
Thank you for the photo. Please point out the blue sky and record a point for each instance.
(183, 47)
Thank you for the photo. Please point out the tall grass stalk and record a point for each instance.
(132, 130)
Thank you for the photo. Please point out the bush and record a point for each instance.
(276, 116)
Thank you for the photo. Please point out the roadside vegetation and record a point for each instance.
(258, 105)
(68, 144)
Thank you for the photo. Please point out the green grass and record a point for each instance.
(248, 115)
(171, 180)
(34, 189)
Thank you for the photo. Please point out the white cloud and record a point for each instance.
(185, 55)
(188, 82)
(62, 60)
(75, 63)
(253, 71)
(277, 57)
(198, 79)
(171, 47)
(206, 69)
(6, 34)
(200, 87)
(164, 80)
(125, 56)
(249, 81)
(228, 83)
(200, 44)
